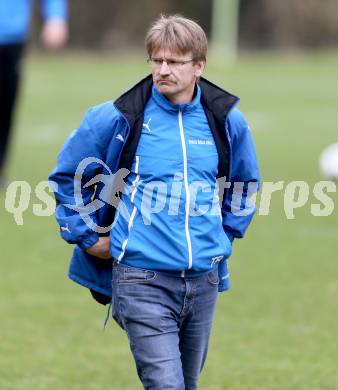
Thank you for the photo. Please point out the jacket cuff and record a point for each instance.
(85, 244)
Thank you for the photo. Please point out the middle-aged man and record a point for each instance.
(166, 255)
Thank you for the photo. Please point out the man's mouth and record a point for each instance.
(164, 81)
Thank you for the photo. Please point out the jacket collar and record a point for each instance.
(216, 99)
(132, 103)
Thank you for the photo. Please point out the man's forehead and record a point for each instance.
(167, 52)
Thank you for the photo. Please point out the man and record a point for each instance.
(167, 250)
(14, 25)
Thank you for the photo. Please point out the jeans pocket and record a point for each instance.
(135, 275)
(213, 277)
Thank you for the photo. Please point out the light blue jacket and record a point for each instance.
(173, 219)
(103, 135)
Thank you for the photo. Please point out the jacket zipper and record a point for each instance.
(186, 187)
(133, 213)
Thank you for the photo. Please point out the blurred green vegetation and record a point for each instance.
(276, 328)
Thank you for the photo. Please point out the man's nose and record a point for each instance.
(164, 69)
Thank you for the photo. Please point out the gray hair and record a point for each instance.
(177, 33)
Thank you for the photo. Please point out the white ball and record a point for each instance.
(328, 162)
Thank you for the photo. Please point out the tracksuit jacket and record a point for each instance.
(170, 217)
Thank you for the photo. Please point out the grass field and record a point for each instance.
(277, 327)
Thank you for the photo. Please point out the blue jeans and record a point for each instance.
(168, 322)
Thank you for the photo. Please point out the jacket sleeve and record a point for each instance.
(54, 9)
(238, 208)
(87, 143)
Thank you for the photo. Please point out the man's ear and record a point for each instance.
(199, 68)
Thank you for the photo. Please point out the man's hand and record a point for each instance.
(100, 248)
(54, 33)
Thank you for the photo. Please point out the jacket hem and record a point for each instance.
(89, 285)
(223, 288)
(89, 242)
(229, 235)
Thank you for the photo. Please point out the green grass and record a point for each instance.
(277, 327)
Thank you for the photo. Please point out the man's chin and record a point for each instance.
(165, 87)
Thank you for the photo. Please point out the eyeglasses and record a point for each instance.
(172, 64)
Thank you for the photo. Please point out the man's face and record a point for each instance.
(175, 80)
